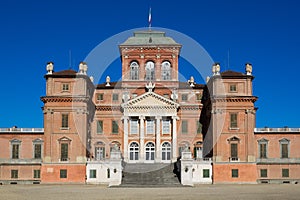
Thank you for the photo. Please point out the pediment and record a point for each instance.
(150, 99)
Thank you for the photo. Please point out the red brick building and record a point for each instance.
(151, 117)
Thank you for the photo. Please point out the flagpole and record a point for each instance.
(150, 19)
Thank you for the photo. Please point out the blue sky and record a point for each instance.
(264, 33)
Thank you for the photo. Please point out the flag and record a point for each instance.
(149, 18)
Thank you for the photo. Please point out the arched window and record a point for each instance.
(150, 149)
(134, 151)
(150, 71)
(134, 71)
(166, 151)
(166, 70)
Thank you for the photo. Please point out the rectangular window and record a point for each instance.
(100, 97)
(36, 173)
(263, 173)
(184, 97)
(99, 127)
(233, 120)
(206, 173)
(65, 87)
(232, 88)
(115, 97)
(37, 151)
(64, 152)
(263, 150)
(198, 97)
(234, 173)
(285, 173)
(93, 173)
(133, 126)
(63, 173)
(166, 127)
(14, 173)
(15, 151)
(100, 153)
(65, 120)
(184, 127)
(284, 151)
(115, 127)
(234, 151)
(150, 126)
(199, 127)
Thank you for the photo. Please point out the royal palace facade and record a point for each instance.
(96, 133)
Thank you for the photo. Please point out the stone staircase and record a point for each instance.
(149, 175)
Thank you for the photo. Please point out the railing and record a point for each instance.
(23, 130)
(234, 159)
(285, 129)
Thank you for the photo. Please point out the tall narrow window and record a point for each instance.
(166, 126)
(115, 127)
(150, 126)
(134, 71)
(65, 120)
(15, 151)
(234, 151)
(262, 148)
(199, 127)
(284, 148)
(133, 126)
(36, 173)
(184, 127)
(99, 127)
(37, 151)
(115, 97)
(150, 150)
(150, 71)
(166, 151)
(134, 151)
(233, 120)
(166, 70)
(64, 151)
(99, 153)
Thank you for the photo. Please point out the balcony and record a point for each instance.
(234, 159)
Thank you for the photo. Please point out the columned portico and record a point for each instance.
(150, 117)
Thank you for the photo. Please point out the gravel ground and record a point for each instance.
(90, 192)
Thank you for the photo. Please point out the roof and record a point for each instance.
(149, 37)
(186, 85)
(112, 85)
(65, 72)
(234, 74)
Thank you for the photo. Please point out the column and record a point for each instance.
(158, 145)
(142, 138)
(174, 137)
(125, 118)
